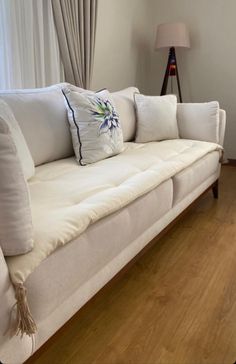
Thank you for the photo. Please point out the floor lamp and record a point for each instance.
(172, 35)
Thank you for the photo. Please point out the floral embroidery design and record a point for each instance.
(106, 114)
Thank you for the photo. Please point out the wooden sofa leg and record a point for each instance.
(215, 189)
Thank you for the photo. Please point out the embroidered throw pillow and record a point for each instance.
(94, 124)
(156, 118)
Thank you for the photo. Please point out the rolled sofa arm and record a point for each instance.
(23, 344)
(13, 349)
(7, 298)
(201, 121)
(222, 125)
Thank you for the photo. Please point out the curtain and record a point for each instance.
(29, 52)
(75, 22)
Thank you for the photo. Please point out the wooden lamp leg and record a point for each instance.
(171, 62)
(178, 82)
(166, 77)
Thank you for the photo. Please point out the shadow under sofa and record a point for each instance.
(75, 272)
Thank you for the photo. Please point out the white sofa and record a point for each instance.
(72, 274)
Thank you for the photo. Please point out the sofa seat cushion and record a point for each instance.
(187, 180)
(68, 198)
(50, 285)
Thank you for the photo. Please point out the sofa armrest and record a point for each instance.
(7, 298)
(222, 126)
(201, 121)
(13, 349)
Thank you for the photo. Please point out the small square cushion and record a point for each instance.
(16, 230)
(199, 121)
(156, 118)
(94, 125)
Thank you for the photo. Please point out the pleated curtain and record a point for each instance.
(75, 22)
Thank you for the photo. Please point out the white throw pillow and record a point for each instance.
(24, 155)
(16, 230)
(124, 103)
(156, 118)
(94, 125)
(199, 121)
(42, 117)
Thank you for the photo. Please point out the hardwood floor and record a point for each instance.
(176, 305)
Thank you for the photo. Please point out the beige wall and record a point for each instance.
(124, 53)
(123, 44)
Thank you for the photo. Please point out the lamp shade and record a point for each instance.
(172, 35)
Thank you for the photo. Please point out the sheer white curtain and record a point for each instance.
(29, 52)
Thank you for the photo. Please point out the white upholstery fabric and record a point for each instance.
(94, 125)
(42, 116)
(65, 309)
(7, 117)
(156, 118)
(13, 350)
(16, 350)
(93, 250)
(191, 177)
(199, 121)
(124, 102)
(67, 198)
(222, 125)
(16, 230)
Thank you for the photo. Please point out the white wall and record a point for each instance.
(208, 68)
(124, 52)
(123, 44)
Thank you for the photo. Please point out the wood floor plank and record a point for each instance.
(176, 305)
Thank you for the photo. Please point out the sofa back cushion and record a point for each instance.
(124, 103)
(16, 230)
(42, 116)
(7, 118)
(199, 121)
